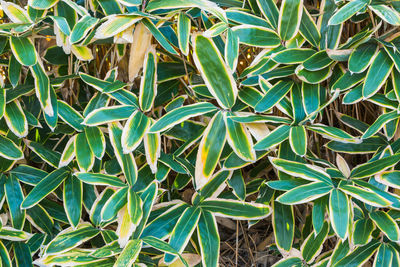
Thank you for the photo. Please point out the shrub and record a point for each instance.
(128, 126)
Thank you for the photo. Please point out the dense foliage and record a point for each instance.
(129, 127)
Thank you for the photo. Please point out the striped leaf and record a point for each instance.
(207, 230)
(239, 139)
(108, 114)
(302, 170)
(256, 36)
(9, 150)
(182, 232)
(70, 238)
(23, 50)
(289, 18)
(114, 25)
(134, 131)
(210, 149)
(386, 224)
(274, 138)
(214, 71)
(298, 140)
(183, 28)
(373, 167)
(377, 74)
(347, 11)
(148, 83)
(129, 253)
(181, 114)
(235, 209)
(126, 161)
(72, 196)
(305, 193)
(100, 179)
(47, 185)
(339, 213)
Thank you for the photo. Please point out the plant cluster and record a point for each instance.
(129, 126)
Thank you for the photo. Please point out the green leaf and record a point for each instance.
(312, 245)
(134, 130)
(84, 155)
(290, 261)
(100, 179)
(210, 149)
(15, 119)
(71, 238)
(14, 196)
(129, 254)
(308, 29)
(365, 196)
(81, 28)
(386, 224)
(293, 55)
(339, 213)
(362, 231)
(70, 115)
(159, 36)
(42, 4)
(386, 14)
(207, 231)
(273, 96)
(135, 205)
(42, 88)
(181, 114)
(283, 223)
(381, 121)
(183, 28)
(235, 209)
(347, 11)
(162, 246)
(298, 140)
(237, 183)
(373, 167)
(362, 57)
(256, 36)
(72, 196)
(305, 193)
(22, 254)
(182, 232)
(377, 73)
(231, 51)
(69, 152)
(114, 25)
(214, 71)
(239, 139)
(318, 61)
(49, 156)
(23, 50)
(96, 141)
(289, 18)
(47, 185)
(126, 161)
(148, 83)
(108, 114)
(384, 256)
(162, 226)
(274, 138)
(152, 147)
(173, 4)
(9, 150)
(116, 202)
(270, 11)
(302, 170)
(360, 255)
